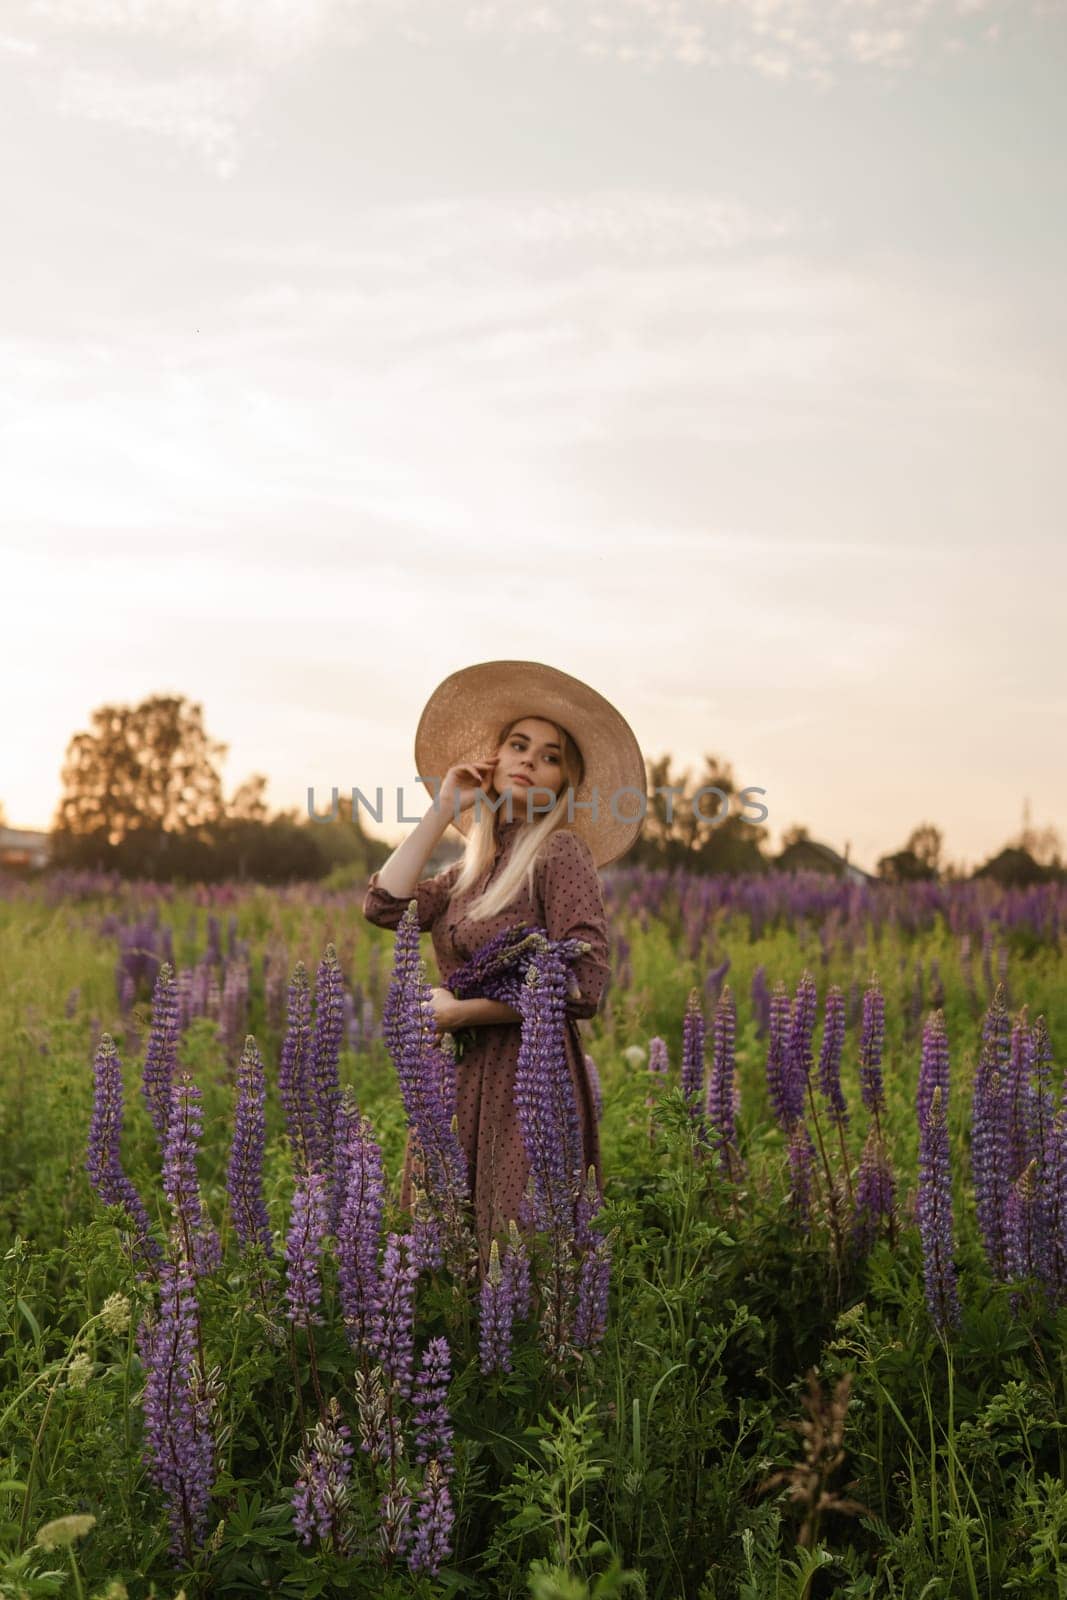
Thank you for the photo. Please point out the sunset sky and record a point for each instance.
(713, 352)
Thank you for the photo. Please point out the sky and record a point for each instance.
(715, 353)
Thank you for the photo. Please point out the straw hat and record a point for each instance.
(463, 716)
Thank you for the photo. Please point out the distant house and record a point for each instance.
(22, 849)
(808, 855)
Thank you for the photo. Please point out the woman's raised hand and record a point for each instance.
(463, 784)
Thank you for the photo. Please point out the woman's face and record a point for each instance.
(530, 751)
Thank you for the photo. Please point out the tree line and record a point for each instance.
(142, 795)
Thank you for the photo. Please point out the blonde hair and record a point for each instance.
(482, 840)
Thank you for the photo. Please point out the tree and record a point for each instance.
(150, 766)
(918, 861)
(925, 845)
(678, 833)
(1015, 868)
(247, 803)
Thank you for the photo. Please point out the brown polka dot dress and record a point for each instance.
(567, 901)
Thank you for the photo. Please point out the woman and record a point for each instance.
(535, 803)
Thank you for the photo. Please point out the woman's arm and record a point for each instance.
(461, 784)
(479, 1012)
(399, 875)
(450, 1013)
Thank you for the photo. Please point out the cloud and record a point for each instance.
(485, 363)
(200, 112)
(776, 39)
(196, 72)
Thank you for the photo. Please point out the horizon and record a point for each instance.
(772, 845)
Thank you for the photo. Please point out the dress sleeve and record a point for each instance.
(574, 909)
(385, 910)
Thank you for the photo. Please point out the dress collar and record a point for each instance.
(507, 830)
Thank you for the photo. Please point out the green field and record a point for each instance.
(650, 1465)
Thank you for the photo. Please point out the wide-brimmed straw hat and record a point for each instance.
(464, 715)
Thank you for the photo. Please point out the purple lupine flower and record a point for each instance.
(1041, 1065)
(393, 1327)
(1025, 1248)
(658, 1063)
(872, 1039)
(494, 1327)
(294, 1073)
(833, 1040)
(990, 1154)
(801, 1168)
(1052, 1172)
(801, 1029)
(990, 1138)
(934, 1209)
(275, 966)
(433, 1426)
(1023, 1140)
(658, 1058)
(103, 1160)
(244, 1180)
(545, 1100)
(781, 1081)
(234, 1009)
(127, 991)
(321, 1493)
(427, 1082)
(179, 1448)
(425, 1241)
(721, 1082)
(358, 1231)
(185, 998)
(594, 1281)
(693, 1053)
(161, 1054)
(516, 1268)
(430, 1537)
(875, 1193)
(308, 1227)
(933, 1065)
(198, 1238)
(345, 1124)
(594, 1086)
(915, 1000)
(323, 1061)
(594, 1271)
(1056, 1204)
(714, 981)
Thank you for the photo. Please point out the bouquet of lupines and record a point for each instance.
(526, 969)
